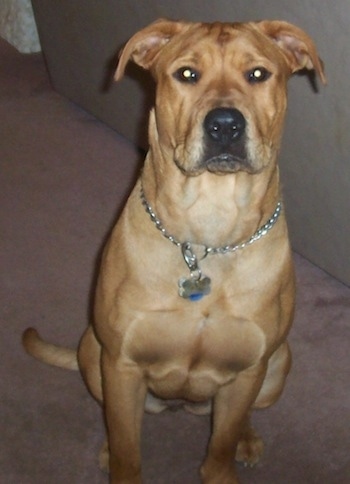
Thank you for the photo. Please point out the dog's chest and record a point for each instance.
(191, 358)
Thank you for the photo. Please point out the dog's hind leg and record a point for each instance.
(89, 357)
(277, 371)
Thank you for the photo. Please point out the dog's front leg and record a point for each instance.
(124, 393)
(230, 413)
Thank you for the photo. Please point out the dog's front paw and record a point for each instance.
(250, 448)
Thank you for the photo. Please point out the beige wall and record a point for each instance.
(80, 37)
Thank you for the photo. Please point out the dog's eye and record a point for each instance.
(258, 74)
(187, 74)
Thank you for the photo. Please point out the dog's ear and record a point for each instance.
(297, 46)
(146, 44)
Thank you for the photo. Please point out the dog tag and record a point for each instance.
(194, 289)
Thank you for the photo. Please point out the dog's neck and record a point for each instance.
(212, 209)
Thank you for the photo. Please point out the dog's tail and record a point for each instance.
(49, 353)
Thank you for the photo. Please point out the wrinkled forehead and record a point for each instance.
(236, 42)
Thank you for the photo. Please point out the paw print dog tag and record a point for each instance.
(194, 289)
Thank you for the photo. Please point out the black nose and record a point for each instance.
(224, 125)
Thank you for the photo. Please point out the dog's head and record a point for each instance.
(221, 89)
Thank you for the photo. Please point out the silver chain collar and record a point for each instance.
(198, 285)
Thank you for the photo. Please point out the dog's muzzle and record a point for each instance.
(225, 151)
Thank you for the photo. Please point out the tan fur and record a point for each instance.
(229, 348)
(49, 353)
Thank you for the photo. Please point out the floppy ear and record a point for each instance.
(297, 46)
(146, 44)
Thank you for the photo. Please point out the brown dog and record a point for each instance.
(200, 309)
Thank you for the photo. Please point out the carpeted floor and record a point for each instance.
(63, 177)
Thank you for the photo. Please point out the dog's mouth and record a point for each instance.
(226, 163)
(227, 159)
(223, 164)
